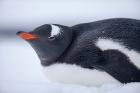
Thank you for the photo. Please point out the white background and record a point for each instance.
(28, 14)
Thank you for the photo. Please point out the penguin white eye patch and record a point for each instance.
(55, 31)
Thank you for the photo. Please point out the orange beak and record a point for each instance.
(26, 36)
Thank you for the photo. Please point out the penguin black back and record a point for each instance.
(121, 40)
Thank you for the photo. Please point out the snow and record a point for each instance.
(44, 87)
(21, 72)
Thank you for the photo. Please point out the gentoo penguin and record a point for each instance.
(105, 51)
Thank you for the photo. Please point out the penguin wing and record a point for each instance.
(120, 67)
(119, 61)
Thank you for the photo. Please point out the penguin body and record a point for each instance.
(105, 51)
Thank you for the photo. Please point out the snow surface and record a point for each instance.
(21, 73)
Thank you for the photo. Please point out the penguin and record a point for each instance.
(104, 51)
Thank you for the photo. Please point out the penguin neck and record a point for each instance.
(64, 56)
(47, 57)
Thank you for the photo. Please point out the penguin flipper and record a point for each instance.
(119, 66)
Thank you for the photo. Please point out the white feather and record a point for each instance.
(73, 74)
(55, 30)
(106, 44)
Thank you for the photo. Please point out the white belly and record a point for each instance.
(73, 74)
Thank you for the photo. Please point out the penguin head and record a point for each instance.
(48, 41)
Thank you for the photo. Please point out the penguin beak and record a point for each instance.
(26, 35)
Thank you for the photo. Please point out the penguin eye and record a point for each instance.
(51, 38)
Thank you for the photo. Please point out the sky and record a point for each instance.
(25, 15)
